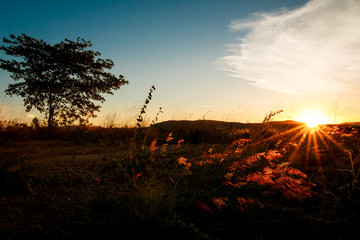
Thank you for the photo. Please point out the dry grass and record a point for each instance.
(78, 185)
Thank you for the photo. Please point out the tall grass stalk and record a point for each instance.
(262, 129)
(355, 176)
(139, 155)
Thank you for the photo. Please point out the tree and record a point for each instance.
(61, 80)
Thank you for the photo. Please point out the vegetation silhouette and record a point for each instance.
(276, 180)
(61, 80)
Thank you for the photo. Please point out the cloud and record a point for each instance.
(309, 50)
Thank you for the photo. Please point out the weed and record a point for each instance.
(110, 121)
(234, 183)
(140, 118)
(354, 176)
(263, 130)
(215, 182)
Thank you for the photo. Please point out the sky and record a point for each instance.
(232, 60)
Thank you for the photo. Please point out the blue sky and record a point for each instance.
(208, 59)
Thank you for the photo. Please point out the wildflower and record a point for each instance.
(238, 151)
(234, 166)
(169, 137)
(225, 182)
(200, 163)
(152, 150)
(296, 172)
(220, 202)
(240, 142)
(273, 155)
(210, 161)
(267, 170)
(242, 202)
(182, 161)
(187, 168)
(239, 184)
(237, 145)
(178, 144)
(245, 163)
(152, 146)
(246, 202)
(293, 189)
(280, 180)
(229, 175)
(254, 158)
(163, 149)
(261, 178)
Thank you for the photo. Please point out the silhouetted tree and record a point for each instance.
(61, 80)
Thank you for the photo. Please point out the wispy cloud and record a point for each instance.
(311, 49)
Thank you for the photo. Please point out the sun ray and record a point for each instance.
(328, 149)
(308, 148)
(297, 135)
(309, 143)
(338, 145)
(293, 139)
(277, 135)
(301, 141)
(316, 151)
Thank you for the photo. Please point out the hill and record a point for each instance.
(172, 124)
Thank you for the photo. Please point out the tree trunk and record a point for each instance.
(51, 112)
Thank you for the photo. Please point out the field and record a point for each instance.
(180, 180)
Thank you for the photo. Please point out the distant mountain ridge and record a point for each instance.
(171, 124)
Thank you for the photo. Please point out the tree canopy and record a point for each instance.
(63, 80)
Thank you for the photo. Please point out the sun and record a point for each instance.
(312, 117)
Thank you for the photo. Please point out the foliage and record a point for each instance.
(249, 189)
(61, 80)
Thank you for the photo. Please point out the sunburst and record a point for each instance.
(312, 118)
(308, 142)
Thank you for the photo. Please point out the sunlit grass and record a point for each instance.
(211, 187)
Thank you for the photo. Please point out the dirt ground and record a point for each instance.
(47, 156)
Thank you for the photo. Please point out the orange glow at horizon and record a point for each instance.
(312, 118)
